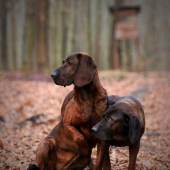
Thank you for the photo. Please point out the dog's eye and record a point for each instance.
(69, 63)
(110, 119)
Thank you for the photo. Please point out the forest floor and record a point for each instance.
(30, 108)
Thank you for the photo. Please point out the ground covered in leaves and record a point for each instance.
(30, 108)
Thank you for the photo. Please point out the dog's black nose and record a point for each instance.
(54, 74)
(95, 128)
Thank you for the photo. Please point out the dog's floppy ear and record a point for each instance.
(110, 102)
(85, 70)
(106, 112)
(134, 129)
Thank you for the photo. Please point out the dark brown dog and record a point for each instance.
(123, 125)
(69, 144)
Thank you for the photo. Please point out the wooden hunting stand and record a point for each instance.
(126, 29)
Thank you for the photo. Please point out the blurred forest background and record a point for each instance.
(38, 34)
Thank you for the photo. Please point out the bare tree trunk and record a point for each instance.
(69, 16)
(112, 40)
(81, 38)
(52, 33)
(59, 33)
(20, 14)
(89, 27)
(93, 9)
(30, 40)
(42, 33)
(97, 32)
(3, 17)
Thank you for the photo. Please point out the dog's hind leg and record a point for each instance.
(71, 162)
(46, 150)
(133, 151)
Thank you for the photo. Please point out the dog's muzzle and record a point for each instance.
(54, 74)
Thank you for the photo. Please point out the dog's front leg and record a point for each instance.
(100, 154)
(83, 148)
(133, 151)
(106, 159)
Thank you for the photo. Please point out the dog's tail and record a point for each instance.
(33, 167)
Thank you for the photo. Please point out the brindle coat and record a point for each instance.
(69, 144)
(123, 125)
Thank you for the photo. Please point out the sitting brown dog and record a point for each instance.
(123, 125)
(69, 144)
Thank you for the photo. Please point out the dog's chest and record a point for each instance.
(79, 113)
(76, 113)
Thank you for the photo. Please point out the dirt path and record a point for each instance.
(21, 100)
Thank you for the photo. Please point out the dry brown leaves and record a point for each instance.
(22, 99)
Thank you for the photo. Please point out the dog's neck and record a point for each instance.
(93, 94)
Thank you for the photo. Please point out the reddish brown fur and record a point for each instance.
(69, 144)
(131, 107)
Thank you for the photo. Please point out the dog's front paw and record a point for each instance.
(33, 167)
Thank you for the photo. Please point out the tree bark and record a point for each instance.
(3, 17)
(113, 28)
